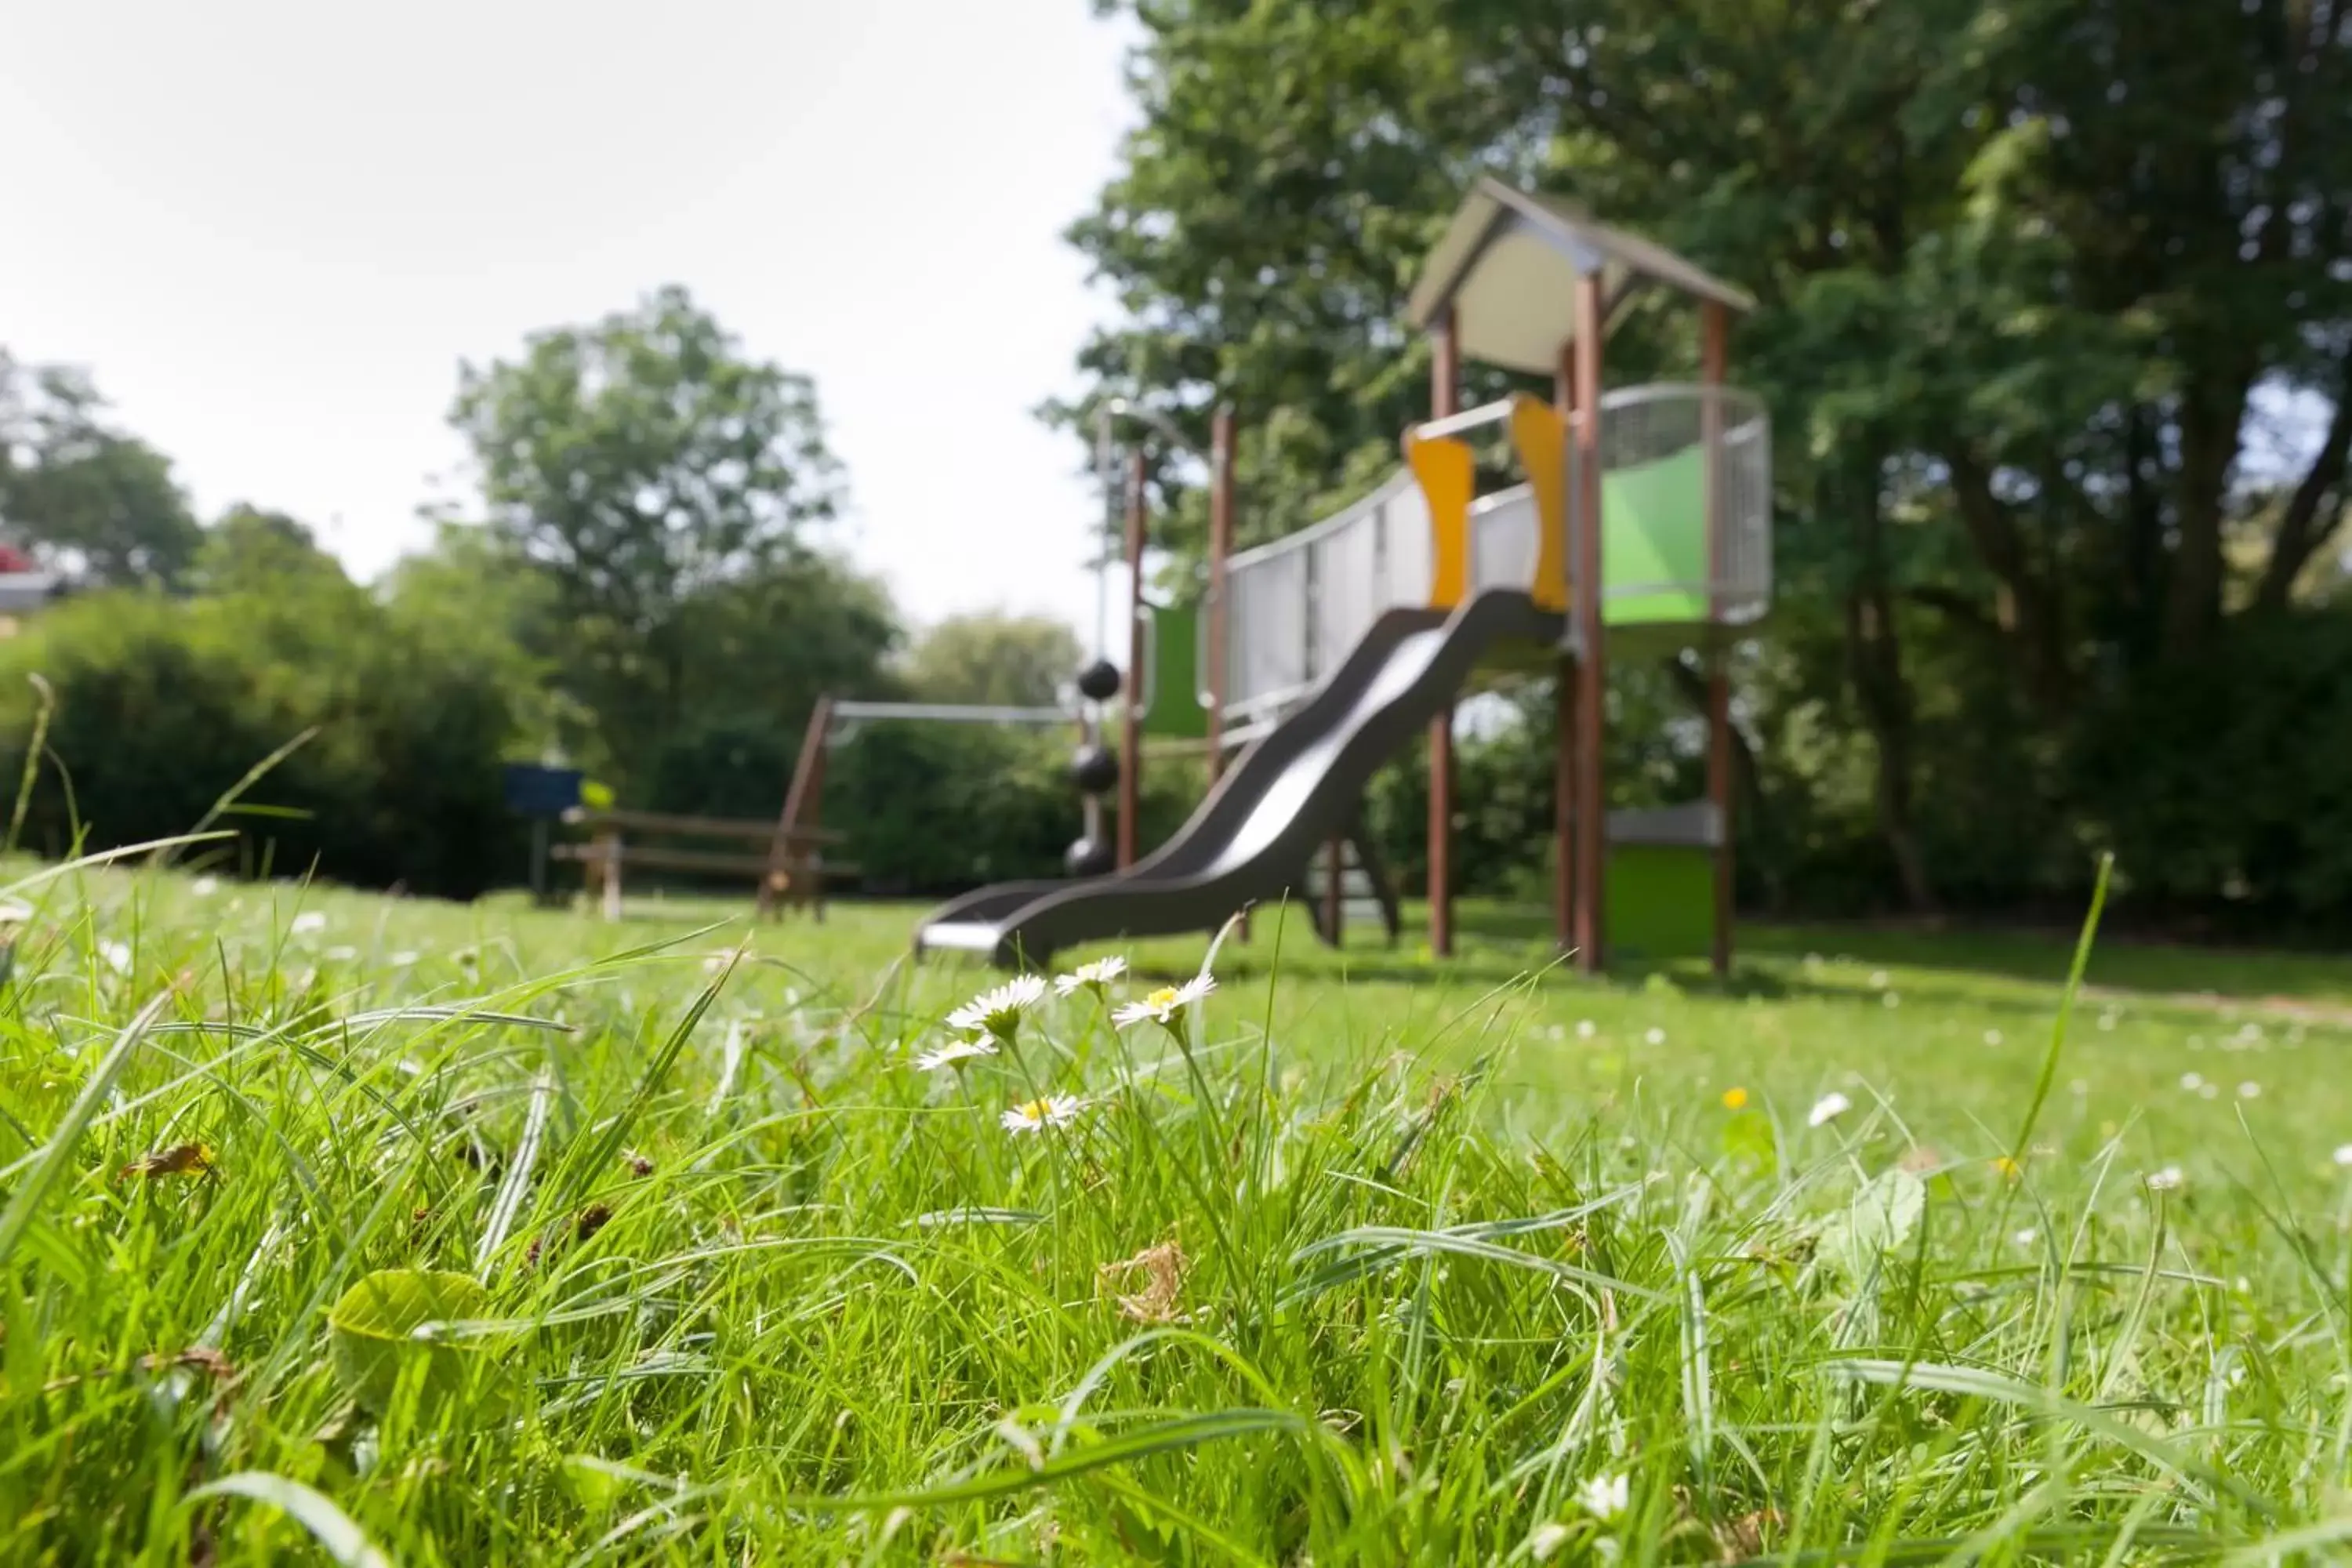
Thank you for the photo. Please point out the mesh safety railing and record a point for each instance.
(1671, 455)
(1662, 449)
(1297, 606)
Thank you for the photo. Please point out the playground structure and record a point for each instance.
(1643, 517)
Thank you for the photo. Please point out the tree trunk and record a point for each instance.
(2142, 551)
(2028, 609)
(2315, 509)
(2211, 414)
(1874, 663)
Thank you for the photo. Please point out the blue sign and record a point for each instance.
(536, 790)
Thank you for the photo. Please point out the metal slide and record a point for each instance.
(1295, 789)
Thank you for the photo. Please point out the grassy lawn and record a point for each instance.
(1368, 1258)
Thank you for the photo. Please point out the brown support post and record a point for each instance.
(1221, 545)
(1592, 672)
(1713, 355)
(1130, 728)
(1335, 908)
(1445, 399)
(1563, 722)
(802, 799)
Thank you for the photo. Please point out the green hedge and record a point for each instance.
(162, 705)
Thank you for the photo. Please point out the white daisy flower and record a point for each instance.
(1828, 1108)
(2344, 1154)
(2192, 1081)
(954, 1051)
(117, 955)
(401, 960)
(1096, 976)
(1655, 1036)
(1545, 1539)
(204, 887)
(2250, 1090)
(1605, 1496)
(307, 922)
(1586, 1028)
(1161, 1006)
(997, 1013)
(2166, 1180)
(1035, 1115)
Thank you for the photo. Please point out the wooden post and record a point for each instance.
(1130, 728)
(1563, 722)
(1335, 904)
(1592, 832)
(611, 889)
(1221, 545)
(1713, 355)
(804, 806)
(1445, 399)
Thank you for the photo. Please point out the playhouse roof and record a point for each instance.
(1506, 264)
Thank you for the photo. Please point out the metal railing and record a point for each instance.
(1667, 445)
(1295, 607)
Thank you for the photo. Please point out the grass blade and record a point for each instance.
(330, 1526)
(1160, 1437)
(26, 1200)
(2066, 1014)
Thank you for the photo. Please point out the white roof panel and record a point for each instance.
(1508, 262)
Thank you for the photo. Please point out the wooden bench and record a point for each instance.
(791, 869)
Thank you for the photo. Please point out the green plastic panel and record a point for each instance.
(1659, 902)
(1652, 531)
(1176, 708)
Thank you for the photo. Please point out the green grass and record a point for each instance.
(1439, 1245)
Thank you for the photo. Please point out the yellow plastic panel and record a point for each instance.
(1540, 436)
(1448, 475)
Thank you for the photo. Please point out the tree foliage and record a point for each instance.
(655, 477)
(1012, 660)
(88, 500)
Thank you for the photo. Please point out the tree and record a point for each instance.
(644, 464)
(1020, 661)
(253, 551)
(90, 501)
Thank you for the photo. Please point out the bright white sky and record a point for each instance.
(272, 229)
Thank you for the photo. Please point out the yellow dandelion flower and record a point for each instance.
(1734, 1098)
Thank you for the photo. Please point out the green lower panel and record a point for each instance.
(1659, 902)
(1175, 707)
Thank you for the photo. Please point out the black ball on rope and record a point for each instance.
(1088, 857)
(1099, 682)
(1094, 769)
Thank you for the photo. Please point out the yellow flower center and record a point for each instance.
(1164, 999)
(1034, 1110)
(1733, 1098)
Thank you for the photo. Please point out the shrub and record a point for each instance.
(163, 705)
(2220, 783)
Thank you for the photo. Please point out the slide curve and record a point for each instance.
(1298, 788)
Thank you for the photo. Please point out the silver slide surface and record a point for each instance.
(1297, 788)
